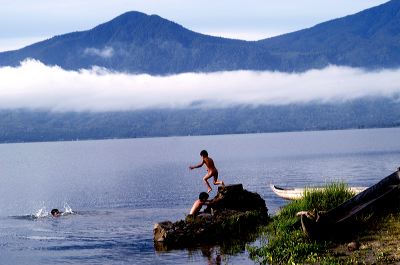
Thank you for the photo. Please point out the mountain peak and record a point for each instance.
(133, 17)
(139, 27)
(140, 43)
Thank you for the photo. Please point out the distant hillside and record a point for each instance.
(369, 39)
(26, 126)
(137, 43)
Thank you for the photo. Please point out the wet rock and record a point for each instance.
(161, 230)
(232, 213)
(352, 246)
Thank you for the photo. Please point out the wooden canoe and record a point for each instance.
(298, 193)
(382, 197)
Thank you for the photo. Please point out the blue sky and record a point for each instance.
(23, 22)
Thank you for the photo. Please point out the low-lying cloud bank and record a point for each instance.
(34, 85)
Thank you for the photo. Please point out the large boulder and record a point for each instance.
(232, 213)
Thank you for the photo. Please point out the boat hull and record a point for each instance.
(383, 197)
(298, 193)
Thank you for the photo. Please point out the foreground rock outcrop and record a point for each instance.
(233, 213)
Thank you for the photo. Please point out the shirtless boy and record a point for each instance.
(211, 170)
(199, 203)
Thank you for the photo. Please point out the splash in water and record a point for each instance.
(67, 209)
(42, 212)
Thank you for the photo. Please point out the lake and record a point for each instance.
(118, 189)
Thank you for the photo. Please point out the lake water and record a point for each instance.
(118, 189)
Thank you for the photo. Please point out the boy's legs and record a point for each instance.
(206, 177)
(218, 182)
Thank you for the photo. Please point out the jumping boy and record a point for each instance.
(211, 170)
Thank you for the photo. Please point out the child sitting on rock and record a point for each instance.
(203, 196)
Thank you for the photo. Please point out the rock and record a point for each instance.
(231, 213)
(161, 230)
(231, 188)
(352, 246)
(234, 197)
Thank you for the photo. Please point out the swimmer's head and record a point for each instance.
(55, 212)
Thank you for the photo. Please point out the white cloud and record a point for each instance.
(36, 86)
(106, 52)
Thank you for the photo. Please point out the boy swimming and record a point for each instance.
(56, 213)
(211, 170)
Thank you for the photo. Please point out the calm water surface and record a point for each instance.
(118, 189)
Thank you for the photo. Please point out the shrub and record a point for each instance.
(283, 241)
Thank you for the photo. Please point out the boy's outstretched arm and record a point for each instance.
(199, 165)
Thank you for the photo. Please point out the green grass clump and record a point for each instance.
(323, 200)
(283, 241)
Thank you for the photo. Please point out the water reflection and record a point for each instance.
(221, 252)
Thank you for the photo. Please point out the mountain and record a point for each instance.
(138, 43)
(369, 39)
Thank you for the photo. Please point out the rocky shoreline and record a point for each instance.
(233, 213)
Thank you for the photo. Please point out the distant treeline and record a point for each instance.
(27, 126)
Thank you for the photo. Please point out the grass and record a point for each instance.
(283, 241)
(379, 243)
